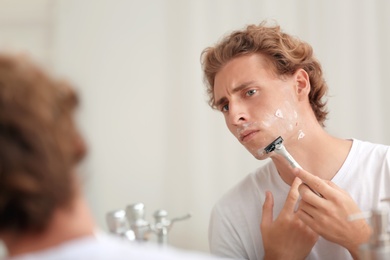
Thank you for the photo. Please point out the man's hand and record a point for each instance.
(287, 237)
(328, 216)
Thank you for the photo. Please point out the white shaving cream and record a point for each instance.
(301, 134)
(279, 113)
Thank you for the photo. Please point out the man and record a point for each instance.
(43, 213)
(268, 84)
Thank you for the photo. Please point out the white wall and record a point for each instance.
(152, 137)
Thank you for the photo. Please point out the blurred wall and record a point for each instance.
(136, 64)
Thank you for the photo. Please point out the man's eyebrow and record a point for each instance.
(220, 101)
(234, 90)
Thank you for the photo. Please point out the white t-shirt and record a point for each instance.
(234, 229)
(108, 247)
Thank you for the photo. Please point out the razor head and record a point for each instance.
(271, 147)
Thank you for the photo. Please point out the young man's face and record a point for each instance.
(257, 105)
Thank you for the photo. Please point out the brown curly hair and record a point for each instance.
(37, 145)
(286, 53)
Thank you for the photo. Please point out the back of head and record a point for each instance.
(285, 53)
(37, 151)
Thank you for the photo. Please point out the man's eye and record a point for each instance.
(251, 92)
(225, 108)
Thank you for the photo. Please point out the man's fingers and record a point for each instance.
(293, 196)
(268, 207)
(313, 182)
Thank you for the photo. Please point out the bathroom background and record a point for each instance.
(136, 65)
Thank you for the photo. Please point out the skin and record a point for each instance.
(259, 106)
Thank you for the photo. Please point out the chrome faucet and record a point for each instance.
(117, 224)
(162, 225)
(136, 218)
(132, 225)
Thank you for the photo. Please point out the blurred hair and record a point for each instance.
(38, 145)
(285, 53)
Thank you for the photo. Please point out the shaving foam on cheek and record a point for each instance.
(301, 134)
(281, 122)
(269, 121)
(279, 113)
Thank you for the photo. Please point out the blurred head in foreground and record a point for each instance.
(43, 213)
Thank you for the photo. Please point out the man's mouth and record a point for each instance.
(247, 135)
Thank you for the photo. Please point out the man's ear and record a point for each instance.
(302, 83)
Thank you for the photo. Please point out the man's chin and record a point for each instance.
(259, 154)
(261, 157)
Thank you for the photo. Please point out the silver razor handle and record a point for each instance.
(280, 149)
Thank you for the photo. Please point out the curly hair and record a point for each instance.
(37, 151)
(285, 53)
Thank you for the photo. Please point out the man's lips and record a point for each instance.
(247, 135)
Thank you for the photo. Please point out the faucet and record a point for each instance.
(117, 224)
(136, 218)
(132, 225)
(162, 225)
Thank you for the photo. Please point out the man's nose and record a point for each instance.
(238, 115)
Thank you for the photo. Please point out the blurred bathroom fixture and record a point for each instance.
(378, 246)
(131, 224)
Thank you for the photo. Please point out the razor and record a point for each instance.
(278, 147)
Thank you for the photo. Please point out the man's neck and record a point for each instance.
(322, 155)
(65, 224)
